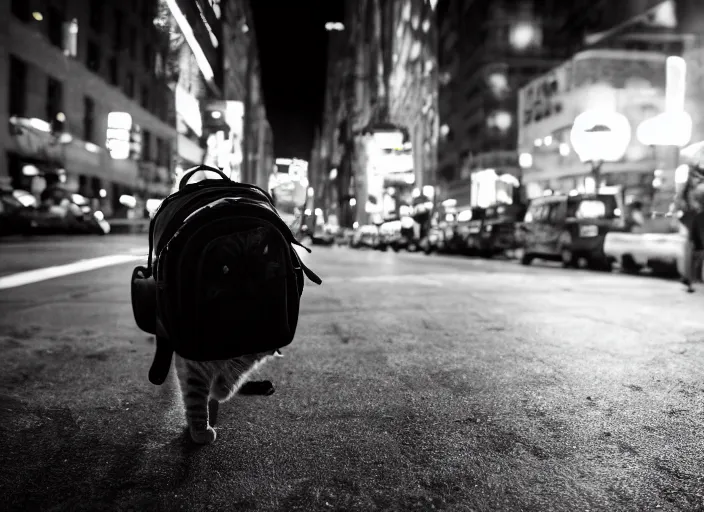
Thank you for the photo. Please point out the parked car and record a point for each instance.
(467, 232)
(324, 233)
(390, 235)
(498, 229)
(441, 231)
(570, 229)
(71, 215)
(409, 239)
(365, 236)
(663, 253)
(344, 236)
(16, 207)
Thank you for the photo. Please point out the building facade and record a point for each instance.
(216, 78)
(71, 68)
(488, 49)
(485, 63)
(624, 70)
(378, 141)
(631, 82)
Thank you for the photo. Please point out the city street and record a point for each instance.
(415, 383)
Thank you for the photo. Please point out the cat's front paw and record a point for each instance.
(206, 436)
(213, 408)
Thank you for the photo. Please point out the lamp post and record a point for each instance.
(600, 136)
(673, 127)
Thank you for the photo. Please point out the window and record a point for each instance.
(88, 118)
(537, 213)
(22, 10)
(166, 159)
(18, 87)
(147, 57)
(119, 29)
(159, 150)
(146, 146)
(145, 96)
(133, 42)
(56, 26)
(93, 56)
(129, 85)
(601, 207)
(96, 14)
(557, 213)
(71, 39)
(114, 71)
(54, 98)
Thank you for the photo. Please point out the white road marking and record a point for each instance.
(43, 274)
(428, 279)
(140, 251)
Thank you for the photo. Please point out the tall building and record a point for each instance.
(85, 100)
(379, 131)
(259, 136)
(215, 73)
(412, 81)
(488, 49)
(331, 172)
(210, 127)
(243, 68)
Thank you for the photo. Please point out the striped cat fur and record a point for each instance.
(209, 383)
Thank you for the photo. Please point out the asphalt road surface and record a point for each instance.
(414, 383)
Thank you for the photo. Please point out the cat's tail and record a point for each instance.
(162, 361)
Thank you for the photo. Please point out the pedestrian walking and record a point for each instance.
(693, 222)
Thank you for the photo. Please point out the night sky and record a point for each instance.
(293, 52)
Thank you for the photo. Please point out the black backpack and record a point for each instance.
(222, 279)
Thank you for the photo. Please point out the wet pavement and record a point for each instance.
(414, 383)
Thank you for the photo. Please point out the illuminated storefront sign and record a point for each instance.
(399, 178)
(388, 140)
(118, 135)
(543, 97)
(224, 143)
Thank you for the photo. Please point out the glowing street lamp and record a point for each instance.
(334, 26)
(523, 35)
(600, 136)
(674, 126)
(525, 160)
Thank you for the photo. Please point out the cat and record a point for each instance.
(205, 384)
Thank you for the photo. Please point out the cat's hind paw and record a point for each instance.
(203, 436)
(257, 387)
